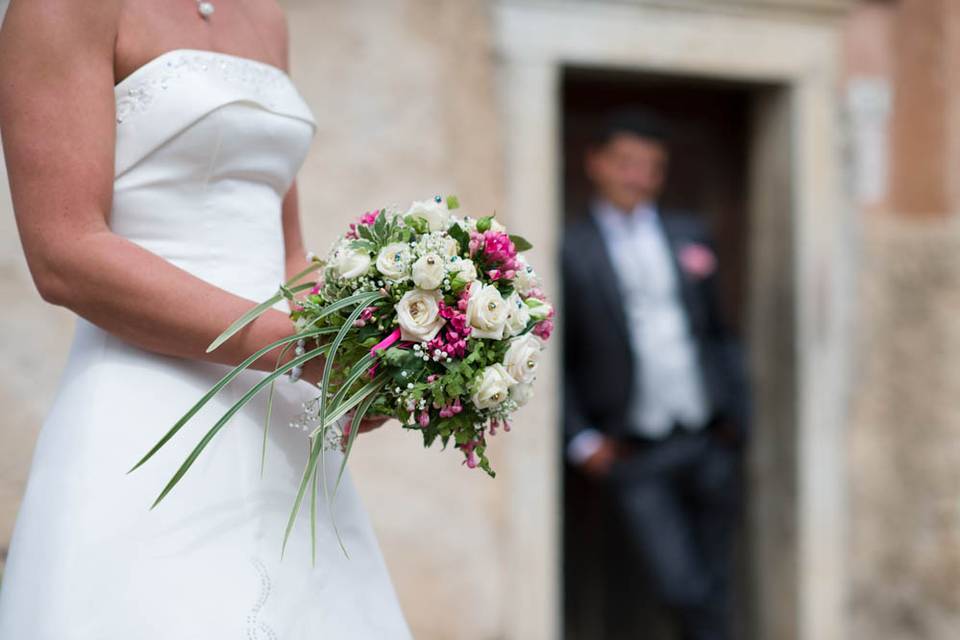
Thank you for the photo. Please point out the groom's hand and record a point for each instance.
(599, 464)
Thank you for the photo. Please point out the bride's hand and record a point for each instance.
(367, 424)
(313, 372)
(372, 422)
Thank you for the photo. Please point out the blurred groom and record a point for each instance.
(655, 391)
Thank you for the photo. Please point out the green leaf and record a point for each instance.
(364, 232)
(233, 373)
(453, 202)
(380, 227)
(521, 243)
(229, 414)
(362, 245)
(253, 314)
(460, 235)
(484, 223)
(420, 225)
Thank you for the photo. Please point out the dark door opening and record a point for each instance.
(711, 126)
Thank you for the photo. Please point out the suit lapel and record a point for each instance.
(606, 276)
(676, 239)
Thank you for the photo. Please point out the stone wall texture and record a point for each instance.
(905, 434)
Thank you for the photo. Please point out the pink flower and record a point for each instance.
(452, 338)
(499, 250)
(451, 409)
(476, 242)
(697, 260)
(369, 217)
(467, 449)
(366, 220)
(543, 329)
(424, 419)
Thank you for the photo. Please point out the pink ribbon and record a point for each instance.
(383, 344)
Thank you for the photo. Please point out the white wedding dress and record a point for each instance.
(207, 145)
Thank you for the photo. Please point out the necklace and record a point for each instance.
(205, 8)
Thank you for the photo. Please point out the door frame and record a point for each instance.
(803, 231)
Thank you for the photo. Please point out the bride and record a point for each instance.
(151, 149)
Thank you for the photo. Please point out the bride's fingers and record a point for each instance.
(369, 424)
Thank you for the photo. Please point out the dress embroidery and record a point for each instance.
(257, 629)
(258, 78)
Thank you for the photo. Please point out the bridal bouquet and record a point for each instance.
(423, 316)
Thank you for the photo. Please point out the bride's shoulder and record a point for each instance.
(37, 36)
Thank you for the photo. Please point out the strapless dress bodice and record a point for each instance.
(207, 146)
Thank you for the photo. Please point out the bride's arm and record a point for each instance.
(57, 121)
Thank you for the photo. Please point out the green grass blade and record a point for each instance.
(335, 346)
(366, 297)
(313, 267)
(266, 421)
(328, 370)
(252, 315)
(313, 520)
(233, 373)
(354, 430)
(360, 369)
(316, 451)
(229, 414)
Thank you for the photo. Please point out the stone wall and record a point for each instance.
(905, 434)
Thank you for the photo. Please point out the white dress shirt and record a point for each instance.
(668, 384)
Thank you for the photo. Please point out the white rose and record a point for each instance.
(349, 263)
(428, 272)
(492, 387)
(394, 260)
(486, 311)
(523, 358)
(539, 310)
(419, 315)
(526, 278)
(465, 270)
(519, 315)
(521, 393)
(496, 226)
(435, 213)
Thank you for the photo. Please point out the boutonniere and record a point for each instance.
(697, 261)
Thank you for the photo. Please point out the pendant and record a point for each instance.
(205, 8)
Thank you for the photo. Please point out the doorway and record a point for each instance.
(795, 317)
(721, 132)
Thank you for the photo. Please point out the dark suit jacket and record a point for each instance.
(599, 368)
